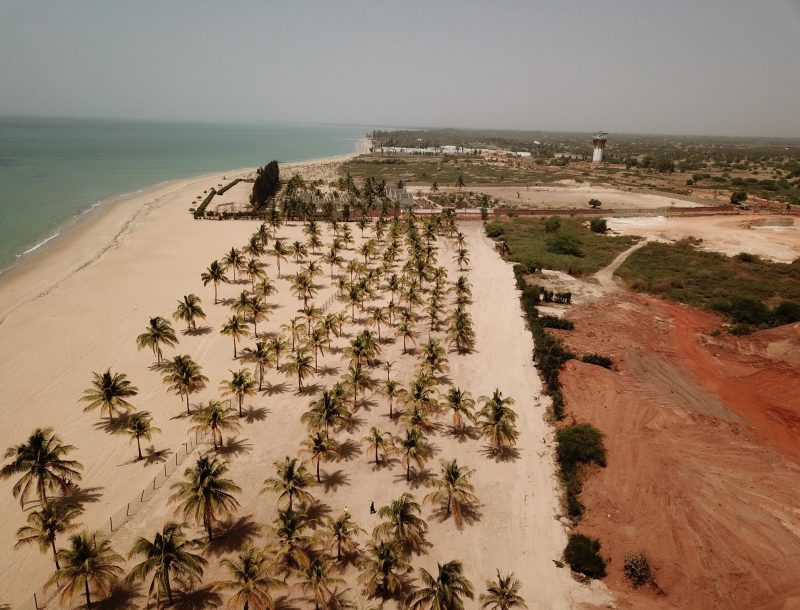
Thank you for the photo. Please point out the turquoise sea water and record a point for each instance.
(52, 170)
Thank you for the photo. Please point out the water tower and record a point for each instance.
(599, 142)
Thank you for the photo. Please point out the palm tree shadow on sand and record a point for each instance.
(196, 599)
(197, 332)
(504, 454)
(316, 513)
(348, 450)
(331, 481)
(310, 390)
(118, 425)
(463, 433)
(276, 388)
(470, 514)
(251, 414)
(417, 479)
(78, 496)
(233, 535)
(234, 447)
(122, 597)
(155, 456)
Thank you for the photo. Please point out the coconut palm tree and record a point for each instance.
(300, 364)
(233, 260)
(359, 380)
(264, 288)
(292, 551)
(462, 405)
(316, 579)
(262, 356)
(443, 592)
(255, 245)
(403, 525)
(250, 580)
(281, 252)
(454, 490)
(214, 274)
(205, 495)
(235, 327)
(497, 421)
(295, 327)
(159, 332)
(415, 449)
(377, 317)
(89, 563)
(169, 555)
(382, 569)
(41, 462)
(240, 384)
(46, 524)
(461, 258)
(298, 250)
(462, 289)
(320, 447)
(502, 594)
(379, 441)
(434, 187)
(108, 393)
(255, 270)
(333, 259)
(406, 330)
(316, 340)
(140, 426)
(189, 310)
(460, 331)
(433, 356)
(303, 286)
(216, 418)
(391, 389)
(258, 311)
(343, 533)
(184, 376)
(325, 412)
(292, 481)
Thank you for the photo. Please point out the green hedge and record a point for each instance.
(201, 210)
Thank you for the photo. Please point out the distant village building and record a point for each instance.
(599, 143)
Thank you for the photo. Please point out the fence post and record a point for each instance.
(154, 482)
(165, 471)
(142, 498)
(35, 601)
(128, 509)
(176, 458)
(111, 523)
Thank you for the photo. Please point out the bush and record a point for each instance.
(579, 444)
(598, 360)
(746, 257)
(738, 197)
(745, 310)
(552, 224)
(582, 554)
(555, 322)
(494, 230)
(786, 313)
(565, 244)
(739, 330)
(637, 569)
(266, 184)
(595, 203)
(598, 225)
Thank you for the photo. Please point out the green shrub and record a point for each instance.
(582, 554)
(637, 569)
(786, 312)
(598, 360)
(598, 225)
(745, 310)
(549, 321)
(579, 444)
(494, 230)
(565, 244)
(740, 330)
(552, 224)
(746, 257)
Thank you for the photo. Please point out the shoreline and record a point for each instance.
(70, 248)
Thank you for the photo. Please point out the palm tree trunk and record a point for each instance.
(241, 399)
(319, 458)
(188, 412)
(86, 589)
(376, 453)
(139, 446)
(234, 347)
(215, 298)
(408, 471)
(42, 493)
(55, 553)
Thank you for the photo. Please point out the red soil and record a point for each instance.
(703, 441)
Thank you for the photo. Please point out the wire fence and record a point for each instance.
(115, 521)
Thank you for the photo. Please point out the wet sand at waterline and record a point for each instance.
(78, 307)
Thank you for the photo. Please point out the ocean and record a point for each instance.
(54, 170)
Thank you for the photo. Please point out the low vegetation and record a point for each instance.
(576, 446)
(637, 570)
(598, 360)
(753, 293)
(583, 556)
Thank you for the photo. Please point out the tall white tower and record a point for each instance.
(599, 142)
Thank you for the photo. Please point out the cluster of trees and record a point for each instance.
(266, 184)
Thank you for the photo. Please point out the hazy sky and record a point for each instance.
(728, 67)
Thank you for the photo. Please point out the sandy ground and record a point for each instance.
(703, 459)
(570, 196)
(774, 237)
(77, 308)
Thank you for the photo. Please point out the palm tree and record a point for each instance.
(460, 331)
(433, 356)
(358, 379)
(292, 551)
(415, 449)
(255, 270)
(276, 346)
(454, 490)
(233, 260)
(168, 555)
(265, 288)
(258, 310)
(189, 310)
(41, 463)
(325, 412)
(255, 245)
(382, 570)
(391, 388)
(237, 328)
(502, 594)
(377, 317)
(184, 377)
(378, 440)
(343, 533)
(316, 340)
(89, 563)
(333, 259)
(215, 418)
(46, 524)
(461, 257)
(262, 356)
(159, 332)
(443, 592)
(240, 384)
(303, 286)
(497, 421)
(140, 426)
(108, 393)
(204, 494)
(250, 580)
(460, 402)
(406, 330)
(295, 328)
(462, 289)
(292, 481)
(435, 187)
(214, 274)
(281, 252)
(316, 579)
(299, 363)
(320, 447)
(403, 525)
